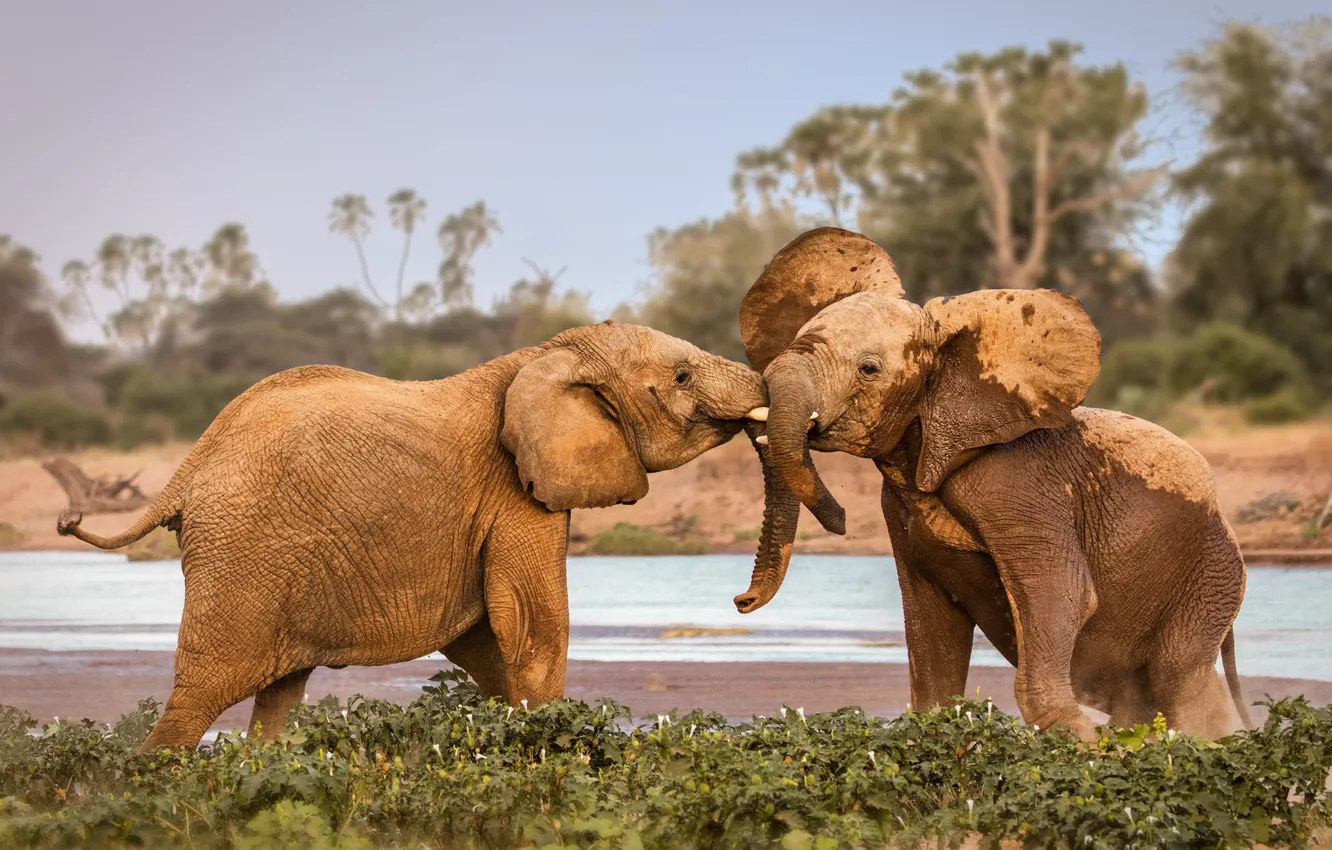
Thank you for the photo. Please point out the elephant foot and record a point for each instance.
(1075, 720)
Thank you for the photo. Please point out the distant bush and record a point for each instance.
(57, 421)
(1229, 364)
(452, 770)
(627, 539)
(746, 535)
(188, 402)
(1285, 405)
(1143, 364)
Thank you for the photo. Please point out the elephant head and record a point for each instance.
(603, 405)
(850, 366)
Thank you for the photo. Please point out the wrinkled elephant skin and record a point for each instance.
(328, 517)
(1086, 544)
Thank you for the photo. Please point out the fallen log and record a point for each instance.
(104, 494)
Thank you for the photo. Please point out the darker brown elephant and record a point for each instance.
(1087, 545)
(328, 517)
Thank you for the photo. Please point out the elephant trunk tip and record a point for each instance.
(750, 601)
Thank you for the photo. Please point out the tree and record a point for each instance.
(703, 269)
(406, 209)
(350, 217)
(461, 235)
(1257, 249)
(1000, 170)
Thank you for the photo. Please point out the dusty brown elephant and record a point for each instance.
(328, 517)
(1086, 544)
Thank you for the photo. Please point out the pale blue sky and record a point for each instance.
(584, 125)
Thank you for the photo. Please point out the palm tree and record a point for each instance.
(406, 209)
(461, 235)
(230, 262)
(351, 216)
(113, 264)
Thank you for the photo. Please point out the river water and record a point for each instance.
(831, 608)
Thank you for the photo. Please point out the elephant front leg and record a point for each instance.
(1050, 593)
(939, 637)
(527, 604)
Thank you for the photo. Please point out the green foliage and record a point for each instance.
(1226, 363)
(1285, 405)
(452, 770)
(56, 420)
(746, 535)
(1257, 251)
(627, 539)
(188, 403)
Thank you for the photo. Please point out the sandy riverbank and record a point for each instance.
(722, 492)
(103, 685)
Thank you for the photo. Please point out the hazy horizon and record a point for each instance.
(583, 128)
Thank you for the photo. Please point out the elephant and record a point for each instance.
(1087, 545)
(328, 517)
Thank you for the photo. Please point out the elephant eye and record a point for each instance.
(869, 369)
(682, 377)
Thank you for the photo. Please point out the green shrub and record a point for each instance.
(746, 535)
(1287, 404)
(627, 539)
(1138, 363)
(188, 402)
(57, 421)
(1229, 364)
(453, 770)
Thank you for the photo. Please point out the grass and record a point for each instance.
(748, 535)
(625, 538)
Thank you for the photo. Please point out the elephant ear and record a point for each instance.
(1009, 361)
(570, 449)
(815, 269)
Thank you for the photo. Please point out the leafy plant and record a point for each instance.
(625, 538)
(453, 770)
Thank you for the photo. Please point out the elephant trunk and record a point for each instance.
(781, 515)
(792, 397)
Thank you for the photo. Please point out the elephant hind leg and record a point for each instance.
(274, 701)
(1194, 701)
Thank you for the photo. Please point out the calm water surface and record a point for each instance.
(831, 608)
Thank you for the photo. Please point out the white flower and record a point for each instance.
(469, 720)
(305, 698)
(1128, 811)
(344, 714)
(543, 753)
(437, 752)
(524, 702)
(661, 720)
(957, 711)
(782, 710)
(968, 716)
(603, 709)
(871, 757)
(1170, 734)
(510, 714)
(57, 719)
(971, 807)
(692, 727)
(801, 712)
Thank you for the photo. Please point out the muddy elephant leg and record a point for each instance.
(226, 651)
(527, 603)
(1193, 701)
(269, 717)
(1051, 596)
(939, 638)
(477, 651)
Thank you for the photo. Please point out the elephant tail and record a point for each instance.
(1232, 676)
(164, 511)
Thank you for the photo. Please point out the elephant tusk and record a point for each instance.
(761, 439)
(758, 414)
